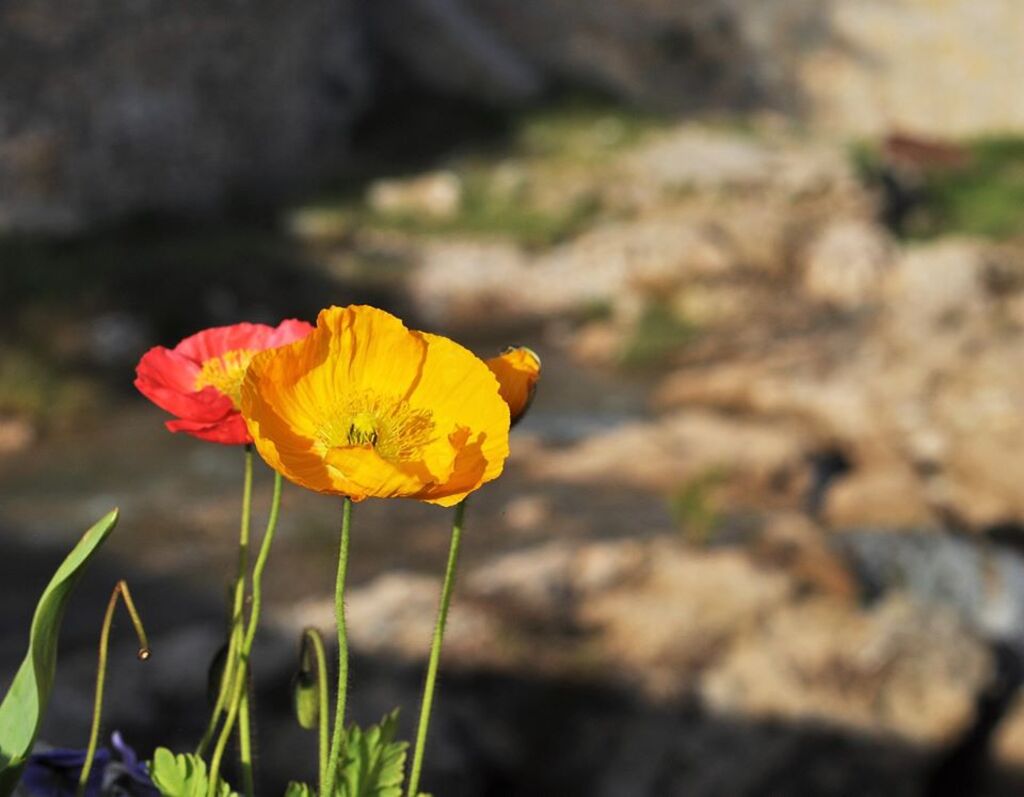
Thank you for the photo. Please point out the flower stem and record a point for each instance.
(120, 591)
(239, 683)
(334, 756)
(312, 641)
(245, 743)
(435, 650)
(235, 637)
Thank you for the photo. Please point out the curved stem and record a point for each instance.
(261, 565)
(235, 637)
(312, 641)
(334, 755)
(435, 650)
(120, 591)
(239, 682)
(234, 705)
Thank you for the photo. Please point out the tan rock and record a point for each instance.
(792, 542)
(846, 263)
(931, 282)
(1008, 745)
(527, 512)
(16, 435)
(884, 492)
(673, 450)
(894, 669)
(436, 195)
(394, 615)
(680, 617)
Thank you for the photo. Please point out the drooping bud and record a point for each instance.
(517, 369)
(309, 681)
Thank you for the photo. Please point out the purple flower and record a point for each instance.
(117, 773)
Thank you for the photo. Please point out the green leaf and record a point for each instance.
(184, 775)
(374, 763)
(299, 790)
(25, 702)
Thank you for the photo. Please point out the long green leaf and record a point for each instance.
(22, 708)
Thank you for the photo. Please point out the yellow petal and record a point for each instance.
(517, 370)
(364, 473)
(365, 407)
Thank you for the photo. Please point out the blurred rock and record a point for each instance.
(16, 435)
(678, 619)
(675, 449)
(691, 158)
(695, 159)
(121, 108)
(436, 195)
(921, 396)
(527, 512)
(462, 283)
(790, 541)
(598, 343)
(445, 46)
(670, 619)
(884, 491)
(835, 65)
(932, 283)
(847, 262)
(699, 217)
(820, 660)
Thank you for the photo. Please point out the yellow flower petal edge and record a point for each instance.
(517, 370)
(364, 407)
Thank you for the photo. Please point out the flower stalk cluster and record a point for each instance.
(357, 406)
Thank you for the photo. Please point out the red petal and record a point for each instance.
(230, 431)
(168, 380)
(167, 368)
(214, 341)
(288, 331)
(168, 377)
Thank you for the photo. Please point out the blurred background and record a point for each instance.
(760, 533)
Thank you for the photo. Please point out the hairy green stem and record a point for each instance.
(435, 650)
(239, 682)
(235, 635)
(337, 737)
(120, 591)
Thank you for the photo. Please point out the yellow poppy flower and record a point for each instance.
(364, 407)
(517, 370)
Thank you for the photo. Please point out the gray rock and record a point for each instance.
(836, 64)
(119, 108)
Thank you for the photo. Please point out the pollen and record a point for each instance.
(395, 430)
(226, 373)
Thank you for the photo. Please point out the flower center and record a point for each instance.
(396, 431)
(362, 430)
(226, 373)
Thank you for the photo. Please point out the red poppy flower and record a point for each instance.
(200, 379)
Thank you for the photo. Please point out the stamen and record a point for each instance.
(396, 431)
(226, 373)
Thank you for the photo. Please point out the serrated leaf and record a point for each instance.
(25, 702)
(299, 790)
(183, 775)
(374, 763)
